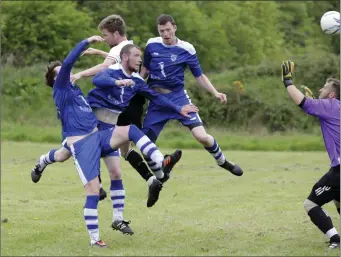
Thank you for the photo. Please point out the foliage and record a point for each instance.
(238, 41)
(36, 31)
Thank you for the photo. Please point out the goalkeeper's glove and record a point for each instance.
(307, 92)
(287, 71)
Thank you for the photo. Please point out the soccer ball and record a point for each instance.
(330, 23)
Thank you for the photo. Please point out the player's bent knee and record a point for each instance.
(308, 205)
(62, 155)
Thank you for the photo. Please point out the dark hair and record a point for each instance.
(126, 49)
(164, 18)
(113, 23)
(335, 85)
(50, 73)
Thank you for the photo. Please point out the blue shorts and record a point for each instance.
(88, 151)
(104, 126)
(101, 126)
(157, 117)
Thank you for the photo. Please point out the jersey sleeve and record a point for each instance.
(156, 98)
(147, 57)
(63, 77)
(317, 107)
(114, 54)
(104, 78)
(194, 65)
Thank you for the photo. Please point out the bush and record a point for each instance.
(35, 31)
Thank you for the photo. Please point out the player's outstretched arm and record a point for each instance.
(163, 101)
(64, 73)
(316, 107)
(94, 51)
(287, 72)
(205, 83)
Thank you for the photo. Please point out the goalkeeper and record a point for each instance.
(327, 109)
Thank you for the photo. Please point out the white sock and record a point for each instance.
(331, 232)
(150, 180)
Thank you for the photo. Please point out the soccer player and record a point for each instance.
(116, 99)
(327, 109)
(87, 144)
(113, 29)
(165, 60)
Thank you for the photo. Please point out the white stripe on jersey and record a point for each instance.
(182, 44)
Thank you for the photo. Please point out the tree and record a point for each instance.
(38, 31)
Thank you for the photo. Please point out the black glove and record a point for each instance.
(287, 71)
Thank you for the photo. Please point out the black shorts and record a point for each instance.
(133, 114)
(327, 188)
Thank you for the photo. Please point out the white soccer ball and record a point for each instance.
(330, 23)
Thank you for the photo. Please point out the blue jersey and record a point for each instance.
(73, 110)
(167, 64)
(117, 98)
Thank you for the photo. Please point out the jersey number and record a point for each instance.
(122, 92)
(162, 66)
(86, 103)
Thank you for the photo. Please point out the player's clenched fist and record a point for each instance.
(221, 97)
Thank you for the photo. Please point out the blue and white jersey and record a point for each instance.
(117, 98)
(167, 63)
(73, 110)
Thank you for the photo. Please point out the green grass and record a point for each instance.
(177, 136)
(203, 210)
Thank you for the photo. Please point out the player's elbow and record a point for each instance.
(97, 81)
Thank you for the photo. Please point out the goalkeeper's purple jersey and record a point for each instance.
(167, 63)
(328, 111)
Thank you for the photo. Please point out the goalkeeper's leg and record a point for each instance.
(325, 190)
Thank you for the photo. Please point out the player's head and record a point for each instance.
(166, 27)
(331, 89)
(113, 29)
(131, 58)
(52, 72)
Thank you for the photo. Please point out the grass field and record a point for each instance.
(203, 210)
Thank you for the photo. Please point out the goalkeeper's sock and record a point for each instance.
(321, 220)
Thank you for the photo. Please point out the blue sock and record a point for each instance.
(91, 216)
(47, 159)
(117, 194)
(216, 152)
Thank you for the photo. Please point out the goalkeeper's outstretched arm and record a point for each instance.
(295, 94)
(287, 72)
